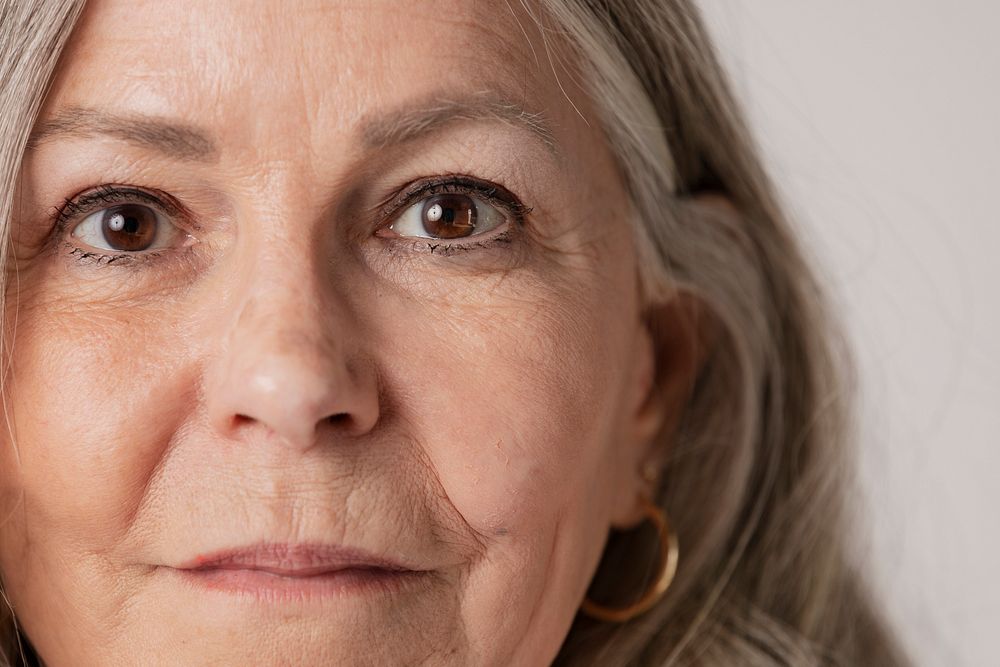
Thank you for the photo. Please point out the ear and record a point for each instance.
(675, 338)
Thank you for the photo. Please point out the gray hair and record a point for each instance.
(758, 471)
(32, 35)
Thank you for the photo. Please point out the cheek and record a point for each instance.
(93, 400)
(515, 398)
(515, 401)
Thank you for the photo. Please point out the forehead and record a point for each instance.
(301, 67)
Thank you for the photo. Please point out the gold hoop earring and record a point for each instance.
(668, 567)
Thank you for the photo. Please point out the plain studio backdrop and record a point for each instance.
(879, 121)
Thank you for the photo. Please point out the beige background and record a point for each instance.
(880, 122)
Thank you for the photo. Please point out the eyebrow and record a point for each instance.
(173, 139)
(184, 142)
(416, 121)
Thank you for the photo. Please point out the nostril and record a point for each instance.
(341, 420)
(338, 419)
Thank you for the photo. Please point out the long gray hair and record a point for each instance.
(758, 472)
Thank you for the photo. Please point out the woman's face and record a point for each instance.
(334, 353)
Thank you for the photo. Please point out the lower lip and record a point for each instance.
(270, 587)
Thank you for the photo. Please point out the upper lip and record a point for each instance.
(300, 560)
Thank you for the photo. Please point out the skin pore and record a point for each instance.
(290, 363)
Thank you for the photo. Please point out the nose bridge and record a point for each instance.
(281, 304)
(288, 360)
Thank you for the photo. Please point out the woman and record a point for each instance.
(347, 333)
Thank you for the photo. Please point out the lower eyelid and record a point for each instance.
(96, 257)
(100, 257)
(445, 248)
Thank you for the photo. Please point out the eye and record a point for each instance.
(448, 216)
(126, 228)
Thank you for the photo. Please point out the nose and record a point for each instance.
(288, 363)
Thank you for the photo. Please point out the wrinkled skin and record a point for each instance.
(289, 369)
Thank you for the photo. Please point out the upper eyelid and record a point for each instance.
(83, 203)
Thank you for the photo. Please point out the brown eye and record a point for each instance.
(449, 216)
(129, 227)
(126, 228)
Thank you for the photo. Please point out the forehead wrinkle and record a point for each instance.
(503, 69)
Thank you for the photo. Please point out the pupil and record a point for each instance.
(129, 227)
(449, 216)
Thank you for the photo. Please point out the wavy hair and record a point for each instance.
(759, 471)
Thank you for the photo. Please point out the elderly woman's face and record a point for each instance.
(325, 340)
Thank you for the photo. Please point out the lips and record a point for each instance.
(301, 560)
(275, 572)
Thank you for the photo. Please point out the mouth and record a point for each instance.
(283, 572)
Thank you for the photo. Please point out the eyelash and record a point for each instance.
(75, 209)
